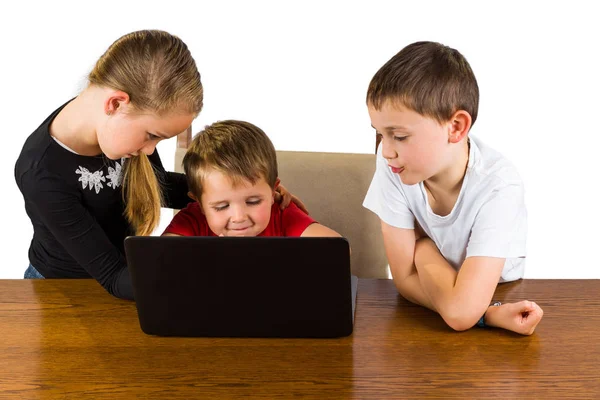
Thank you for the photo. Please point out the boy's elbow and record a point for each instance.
(460, 324)
(460, 319)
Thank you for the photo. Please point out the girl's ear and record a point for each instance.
(115, 102)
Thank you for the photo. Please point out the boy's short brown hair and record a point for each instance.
(429, 78)
(238, 149)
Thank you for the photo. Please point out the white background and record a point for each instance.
(300, 71)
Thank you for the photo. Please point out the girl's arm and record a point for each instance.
(59, 207)
(284, 197)
(174, 184)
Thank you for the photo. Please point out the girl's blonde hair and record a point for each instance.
(160, 76)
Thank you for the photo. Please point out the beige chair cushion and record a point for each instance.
(333, 186)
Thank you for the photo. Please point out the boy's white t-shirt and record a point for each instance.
(489, 217)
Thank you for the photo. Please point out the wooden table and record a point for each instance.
(69, 339)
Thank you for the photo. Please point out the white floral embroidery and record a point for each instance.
(93, 180)
(115, 176)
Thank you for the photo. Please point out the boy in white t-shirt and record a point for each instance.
(452, 212)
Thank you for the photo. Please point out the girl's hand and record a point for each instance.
(284, 197)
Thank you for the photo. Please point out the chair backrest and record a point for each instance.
(333, 186)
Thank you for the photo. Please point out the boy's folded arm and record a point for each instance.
(399, 246)
(460, 298)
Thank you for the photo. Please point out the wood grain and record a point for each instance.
(69, 339)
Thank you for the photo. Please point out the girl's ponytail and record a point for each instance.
(142, 195)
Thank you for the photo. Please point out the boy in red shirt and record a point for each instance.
(231, 169)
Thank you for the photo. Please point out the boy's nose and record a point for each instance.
(238, 214)
(387, 150)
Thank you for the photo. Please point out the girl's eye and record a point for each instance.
(221, 208)
(152, 136)
(400, 138)
(254, 202)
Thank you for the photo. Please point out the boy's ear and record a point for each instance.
(197, 200)
(460, 124)
(275, 192)
(114, 101)
(193, 197)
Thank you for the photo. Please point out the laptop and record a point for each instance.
(242, 287)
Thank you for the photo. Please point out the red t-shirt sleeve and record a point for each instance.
(294, 221)
(189, 222)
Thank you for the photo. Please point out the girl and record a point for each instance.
(90, 175)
